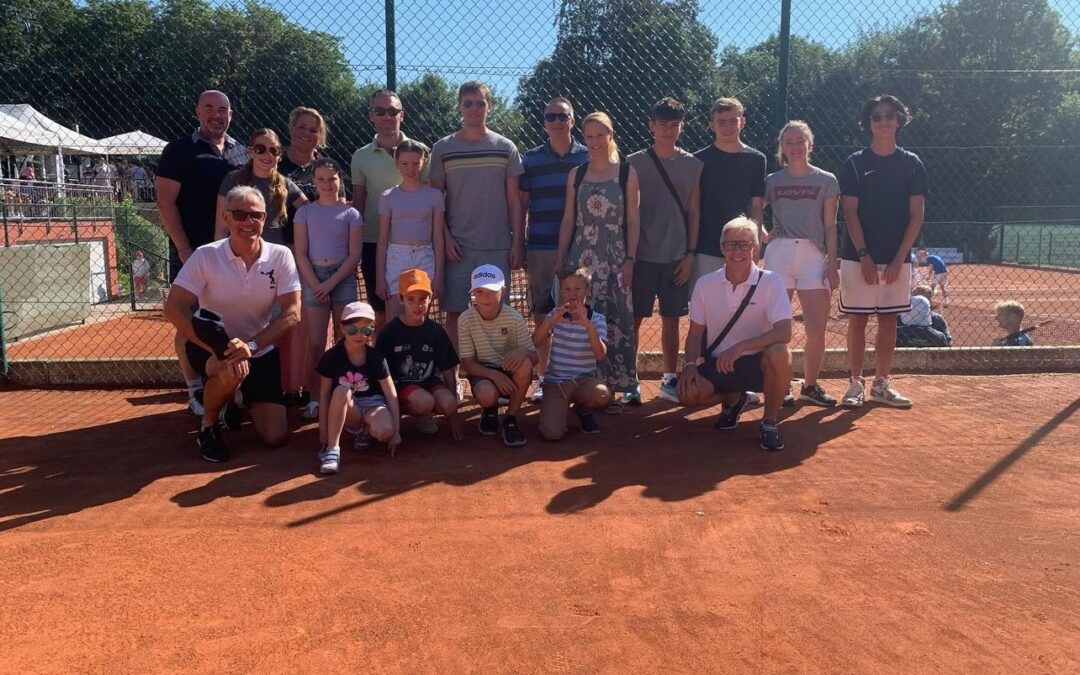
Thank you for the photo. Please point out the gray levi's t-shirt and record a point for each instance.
(475, 175)
(663, 231)
(797, 204)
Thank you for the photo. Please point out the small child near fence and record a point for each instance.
(1010, 316)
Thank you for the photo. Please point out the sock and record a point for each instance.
(667, 377)
(193, 386)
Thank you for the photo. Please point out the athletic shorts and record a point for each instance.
(657, 280)
(799, 263)
(746, 376)
(263, 382)
(401, 257)
(476, 379)
(341, 295)
(859, 297)
(941, 278)
(368, 256)
(458, 276)
(559, 396)
(541, 267)
(406, 391)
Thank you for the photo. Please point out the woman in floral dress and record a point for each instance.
(600, 232)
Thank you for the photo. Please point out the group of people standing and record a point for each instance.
(263, 235)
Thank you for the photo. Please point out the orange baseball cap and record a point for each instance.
(414, 280)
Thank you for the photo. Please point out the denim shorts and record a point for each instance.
(344, 293)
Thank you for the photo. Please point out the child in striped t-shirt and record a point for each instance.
(578, 340)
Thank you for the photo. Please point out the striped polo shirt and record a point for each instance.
(490, 341)
(571, 354)
(545, 180)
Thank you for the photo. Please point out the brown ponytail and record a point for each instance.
(279, 193)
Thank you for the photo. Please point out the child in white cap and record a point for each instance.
(497, 354)
(357, 392)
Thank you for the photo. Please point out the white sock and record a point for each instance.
(667, 377)
(193, 386)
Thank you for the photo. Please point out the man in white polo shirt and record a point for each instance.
(235, 283)
(740, 322)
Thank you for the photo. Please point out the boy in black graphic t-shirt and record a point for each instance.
(421, 357)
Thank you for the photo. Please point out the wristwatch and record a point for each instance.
(862, 253)
(252, 346)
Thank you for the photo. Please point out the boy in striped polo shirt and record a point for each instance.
(497, 354)
(578, 340)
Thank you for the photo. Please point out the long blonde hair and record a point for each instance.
(801, 126)
(604, 120)
(279, 193)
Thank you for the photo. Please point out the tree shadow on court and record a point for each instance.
(673, 458)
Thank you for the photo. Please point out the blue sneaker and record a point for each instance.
(669, 390)
(329, 460)
(632, 397)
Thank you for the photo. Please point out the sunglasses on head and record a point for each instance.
(260, 149)
(353, 329)
(881, 117)
(474, 103)
(242, 216)
(737, 245)
(380, 111)
(560, 116)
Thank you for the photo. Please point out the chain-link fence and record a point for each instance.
(994, 87)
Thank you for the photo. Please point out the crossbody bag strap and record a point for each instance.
(670, 186)
(706, 353)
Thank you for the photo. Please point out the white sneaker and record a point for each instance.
(427, 425)
(855, 395)
(195, 404)
(882, 392)
(538, 392)
(311, 411)
(753, 398)
(460, 391)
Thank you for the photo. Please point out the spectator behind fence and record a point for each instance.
(883, 190)
(543, 199)
(238, 279)
(140, 275)
(261, 172)
(921, 326)
(599, 232)
(188, 176)
(478, 170)
(1010, 317)
(374, 171)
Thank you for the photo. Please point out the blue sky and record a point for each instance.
(498, 41)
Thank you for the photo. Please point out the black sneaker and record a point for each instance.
(213, 448)
(511, 435)
(230, 417)
(729, 414)
(587, 420)
(816, 395)
(770, 436)
(489, 421)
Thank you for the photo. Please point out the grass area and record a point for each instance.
(1042, 245)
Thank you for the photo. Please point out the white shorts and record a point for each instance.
(859, 297)
(799, 263)
(401, 257)
(940, 279)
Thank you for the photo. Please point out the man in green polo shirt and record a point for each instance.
(373, 172)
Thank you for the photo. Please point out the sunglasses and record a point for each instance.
(881, 117)
(242, 216)
(562, 117)
(260, 149)
(379, 111)
(352, 329)
(737, 245)
(474, 103)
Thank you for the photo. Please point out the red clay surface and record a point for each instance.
(973, 292)
(939, 539)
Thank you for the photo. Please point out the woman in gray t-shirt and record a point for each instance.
(802, 246)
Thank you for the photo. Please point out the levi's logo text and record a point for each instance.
(796, 192)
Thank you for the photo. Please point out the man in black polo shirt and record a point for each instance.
(188, 177)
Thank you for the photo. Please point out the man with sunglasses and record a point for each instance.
(478, 170)
(234, 283)
(883, 192)
(188, 176)
(543, 197)
(740, 324)
(374, 171)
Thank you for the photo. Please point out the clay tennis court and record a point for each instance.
(939, 539)
(973, 292)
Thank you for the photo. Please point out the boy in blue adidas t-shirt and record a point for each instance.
(578, 338)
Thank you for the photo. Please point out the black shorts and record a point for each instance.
(747, 375)
(368, 255)
(474, 379)
(652, 280)
(263, 383)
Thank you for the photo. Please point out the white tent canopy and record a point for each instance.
(133, 143)
(25, 131)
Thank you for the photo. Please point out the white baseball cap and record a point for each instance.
(357, 310)
(489, 277)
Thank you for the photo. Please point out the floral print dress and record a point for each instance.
(599, 245)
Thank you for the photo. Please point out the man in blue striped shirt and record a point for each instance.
(578, 339)
(543, 198)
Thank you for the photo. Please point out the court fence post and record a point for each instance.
(3, 338)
